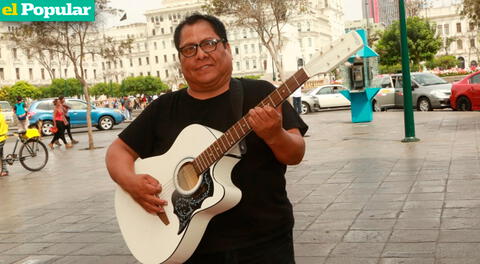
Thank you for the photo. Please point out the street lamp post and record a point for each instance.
(407, 83)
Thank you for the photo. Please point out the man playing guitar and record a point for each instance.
(259, 228)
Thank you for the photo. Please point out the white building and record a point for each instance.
(462, 34)
(153, 51)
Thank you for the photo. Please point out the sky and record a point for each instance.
(352, 9)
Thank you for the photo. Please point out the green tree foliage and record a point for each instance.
(443, 62)
(23, 89)
(471, 10)
(422, 42)
(66, 87)
(108, 89)
(148, 85)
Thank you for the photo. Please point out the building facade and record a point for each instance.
(460, 37)
(153, 51)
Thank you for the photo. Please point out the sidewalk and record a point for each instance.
(360, 196)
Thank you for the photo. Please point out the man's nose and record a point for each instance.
(201, 54)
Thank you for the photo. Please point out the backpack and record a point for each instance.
(20, 111)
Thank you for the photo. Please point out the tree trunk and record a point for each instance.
(80, 78)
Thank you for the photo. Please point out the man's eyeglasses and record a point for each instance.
(208, 45)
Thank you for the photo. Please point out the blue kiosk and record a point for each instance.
(358, 78)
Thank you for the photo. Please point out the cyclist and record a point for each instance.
(3, 138)
(21, 113)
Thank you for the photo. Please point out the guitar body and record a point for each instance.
(152, 240)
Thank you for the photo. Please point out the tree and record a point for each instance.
(143, 85)
(66, 87)
(75, 40)
(422, 42)
(443, 62)
(109, 89)
(266, 17)
(23, 89)
(415, 7)
(447, 43)
(471, 10)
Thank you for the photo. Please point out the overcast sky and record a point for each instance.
(136, 8)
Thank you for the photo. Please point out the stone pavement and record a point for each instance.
(360, 196)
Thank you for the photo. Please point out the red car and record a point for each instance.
(466, 93)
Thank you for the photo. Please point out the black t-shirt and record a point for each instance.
(264, 209)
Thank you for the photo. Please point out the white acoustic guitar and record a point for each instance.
(196, 175)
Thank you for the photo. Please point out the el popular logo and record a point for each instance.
(47, 10)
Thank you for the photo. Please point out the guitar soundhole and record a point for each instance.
(187, 177)
(185, 205)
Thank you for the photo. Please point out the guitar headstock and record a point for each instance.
(338, 52)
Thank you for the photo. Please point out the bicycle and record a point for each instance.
(33, 154)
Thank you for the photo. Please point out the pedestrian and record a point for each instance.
(127, 108)
(66, 109)
(259, 228)
(3, 138)
(20, 110)
(59, 124)
(297, 100)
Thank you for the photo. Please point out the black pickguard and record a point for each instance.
(185, 205)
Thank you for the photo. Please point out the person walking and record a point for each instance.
(3, 138)
(59, 124)
(127, 108)
(259, 228)
(66, 109)
(20, 111)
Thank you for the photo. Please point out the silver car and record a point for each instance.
(428, 92)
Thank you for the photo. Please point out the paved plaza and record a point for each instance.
(360, 196)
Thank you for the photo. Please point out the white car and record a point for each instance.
(325, 96)
(7, 111)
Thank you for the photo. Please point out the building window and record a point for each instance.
(163, 44)
(42, 71)
(148, 60)
(471, 27)
(254, 64)
(148, 73)
(115, 64)
(30, 73)
(156, 59)
(459, 44)
(253, 47)
(141, 73)
(162, 30)
(174, 57)
(1, 53)
(166, 73)
(158, 74)
(245, 48)
(446, 29)
(238, 65)
(439, 29)
(121, 63)
(109, 65)
(139, 61)
(247, 65)
(472, 43)
(94, 74)
(2, 74)
(93, 57)
(103, 65)
(155, 45)
(17, 73)
(164, 58)
(14, 51)
(153, 32)
(236, 50)
(65, 73)
(131, 63)
(459, 27)
(85, 73)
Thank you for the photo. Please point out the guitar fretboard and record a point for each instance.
(241, 128)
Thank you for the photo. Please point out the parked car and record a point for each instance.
(102, 118)
(466, 93)
(7, 111)
(428, 91)
(325, 96)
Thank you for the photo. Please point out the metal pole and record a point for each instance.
(407, 83)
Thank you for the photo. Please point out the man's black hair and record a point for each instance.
(216, 24)
(19, 98)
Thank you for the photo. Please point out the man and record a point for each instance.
(127, 108)
(259, 228)
(66, 108)
(20, 110)
(297, 100)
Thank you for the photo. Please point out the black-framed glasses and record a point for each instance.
(208, 45)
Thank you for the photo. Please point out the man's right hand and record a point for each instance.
(144, 190)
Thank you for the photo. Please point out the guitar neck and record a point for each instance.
(241, 128)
